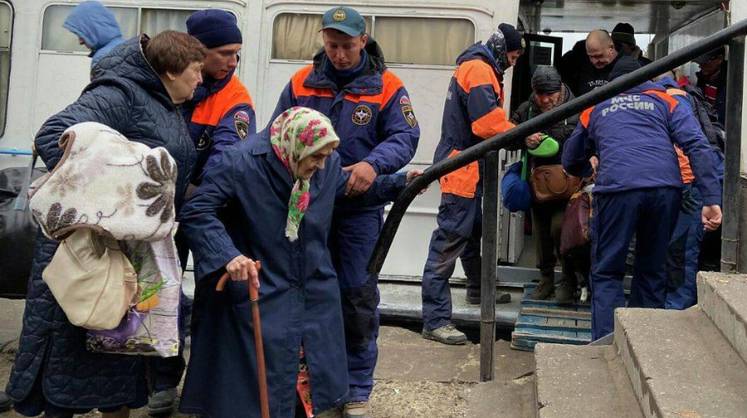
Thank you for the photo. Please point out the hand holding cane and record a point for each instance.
(264, 403)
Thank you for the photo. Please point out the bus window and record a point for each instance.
(6, 22)
(447, 38)
(296, 36)
(154, 21)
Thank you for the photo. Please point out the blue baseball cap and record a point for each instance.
(345, 19)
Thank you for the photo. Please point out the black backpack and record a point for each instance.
(17, 230)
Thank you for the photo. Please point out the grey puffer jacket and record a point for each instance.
(127, 95)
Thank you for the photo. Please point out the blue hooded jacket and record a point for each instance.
(96, 25)
(473, 112)
(632, 134)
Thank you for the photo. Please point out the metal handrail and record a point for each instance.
(541, 123)
(15, 151)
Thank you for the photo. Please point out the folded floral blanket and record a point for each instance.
(105, 182)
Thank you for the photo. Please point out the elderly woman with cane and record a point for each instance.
(280, 186)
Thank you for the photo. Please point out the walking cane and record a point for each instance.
(264, 403)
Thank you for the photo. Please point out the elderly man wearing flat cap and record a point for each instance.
(549, 92)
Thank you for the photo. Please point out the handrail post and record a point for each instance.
(489, 268)
(731, 250)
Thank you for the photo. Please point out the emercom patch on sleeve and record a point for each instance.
(241, 123)
(406, 107)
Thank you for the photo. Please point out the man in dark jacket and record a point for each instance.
(711, 80)
(602, 54)
(623, 35)
(548, 93)
(638, 189)
(473, 112)
(573, 64)
(588, 65)
(372, 113)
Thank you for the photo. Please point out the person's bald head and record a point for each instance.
(600, 48)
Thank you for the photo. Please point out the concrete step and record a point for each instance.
(723, 297)
(680, 365)
(582, 381)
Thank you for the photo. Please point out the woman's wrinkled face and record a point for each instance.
(309, 165)
(182, 86)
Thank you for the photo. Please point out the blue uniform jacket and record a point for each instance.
(473, 112)
(632, 134)
(372, 114)
(211, 137)
(96, 25)
(299, 293)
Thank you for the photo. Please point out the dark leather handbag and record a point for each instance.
(17, 230)
(576, 227)
(551, 182)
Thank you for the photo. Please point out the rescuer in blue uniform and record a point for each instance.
(684, 245)
(221, 112)
(473, 112)
(373, 116)
(219, 115)
(638, 189)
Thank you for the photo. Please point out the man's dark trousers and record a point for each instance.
(649, 213)
(458, 236)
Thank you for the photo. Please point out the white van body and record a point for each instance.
(46, 75)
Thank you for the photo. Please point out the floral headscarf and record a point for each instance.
(296, 134)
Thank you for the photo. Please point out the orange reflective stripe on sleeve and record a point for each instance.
(686, 170)
(676, 92)
(463, 181)
(211, 110)
(476, 73)
(586, 117)
(299, 90)
(491, 124)
(669, 100)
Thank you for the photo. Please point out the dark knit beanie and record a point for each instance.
(214, 27)
(623, 32)
(546, 79)
(514, 39)
(624, 65)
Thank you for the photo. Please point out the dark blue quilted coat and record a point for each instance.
(127, 95)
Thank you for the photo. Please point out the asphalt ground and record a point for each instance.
(414, 377)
